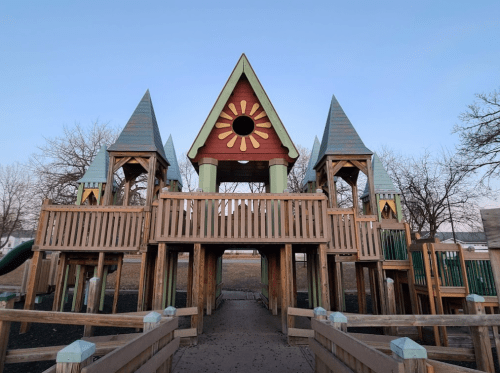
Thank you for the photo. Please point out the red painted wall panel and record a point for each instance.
(268, 148)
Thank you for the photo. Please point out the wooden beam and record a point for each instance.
(323, 272)
(29, 303)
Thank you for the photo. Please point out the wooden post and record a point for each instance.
(338, 321)
(151, 321)
(339, 289)
(74, 357)
(159, 288)
(6, 302)
(190, 280)
(117, 283)
(480, 335)
(323, 273)
(320, 315)
(391, 305)
(142, 282)
(411, 354)
(92, 303)
(284, 289)
(360, 284)
(36, 263)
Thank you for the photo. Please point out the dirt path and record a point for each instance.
(242, 336)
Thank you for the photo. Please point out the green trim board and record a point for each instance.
(243, 67)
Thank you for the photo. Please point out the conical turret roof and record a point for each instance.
(98, 169)
(381, 180)
(310, 173)
(141, 134)
(173, 172)
(340, 137)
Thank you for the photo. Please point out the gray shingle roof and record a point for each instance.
(340, 137)
(381, 180)
(98, 169)
(310, 173)
(173, 172)
(141, 134)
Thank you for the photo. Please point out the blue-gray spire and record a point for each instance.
(381, 180)
(141, 134)
(173, 172)
(310, 173)
(98, 170)
(340, 137)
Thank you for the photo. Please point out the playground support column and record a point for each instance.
(29, 303)
(208, 174)
(278, 175)
(160, 268)
(323, 272)
(286, 286)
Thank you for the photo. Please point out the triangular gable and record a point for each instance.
(98, 169)
(173, 172)
(340, 137)
(311, 173)
(141, 134)
(382, 182)
(243, 67)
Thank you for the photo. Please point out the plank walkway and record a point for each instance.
(242, 336)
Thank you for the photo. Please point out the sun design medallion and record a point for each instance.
(243, 126)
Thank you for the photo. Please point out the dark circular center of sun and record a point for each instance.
(243, 125)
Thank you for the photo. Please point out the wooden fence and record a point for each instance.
(242, 218)
(480, 275)
(351, 234)
(336, 350)
(90, 228)
(478, 322)
(104, 344)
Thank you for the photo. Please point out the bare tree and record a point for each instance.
(299, 169)
(480, 134)
(188, 174)
(63, 160)
(15, 199)
(435, 190)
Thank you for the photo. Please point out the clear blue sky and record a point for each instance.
(403, 71)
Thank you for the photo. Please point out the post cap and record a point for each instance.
(319, 311)
(474, 298)
(152, 317)
(170, 311)
(389, 280)
(337, 317)
(7, 295)
(76, 352)
(94, 279)
(406, 348)
(319, 190)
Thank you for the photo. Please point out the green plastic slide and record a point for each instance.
(17, 256)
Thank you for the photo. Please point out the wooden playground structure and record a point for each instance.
(244, 140)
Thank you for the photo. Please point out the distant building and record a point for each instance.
(466, 239)
(17, 238)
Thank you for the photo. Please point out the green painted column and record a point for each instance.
(278, 175)
(80, 194)
(399, 211)
(379, 213)
(208, 174)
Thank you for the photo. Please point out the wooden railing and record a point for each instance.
(479, 273)
(336, 350)
(351, 234)
(91, 228)
(394, 240)
(241, 218)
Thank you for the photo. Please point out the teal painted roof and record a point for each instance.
(381, 180)
(173, 172)
(310, 173)
(98, 169)
(141, 134)
(340, 137)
